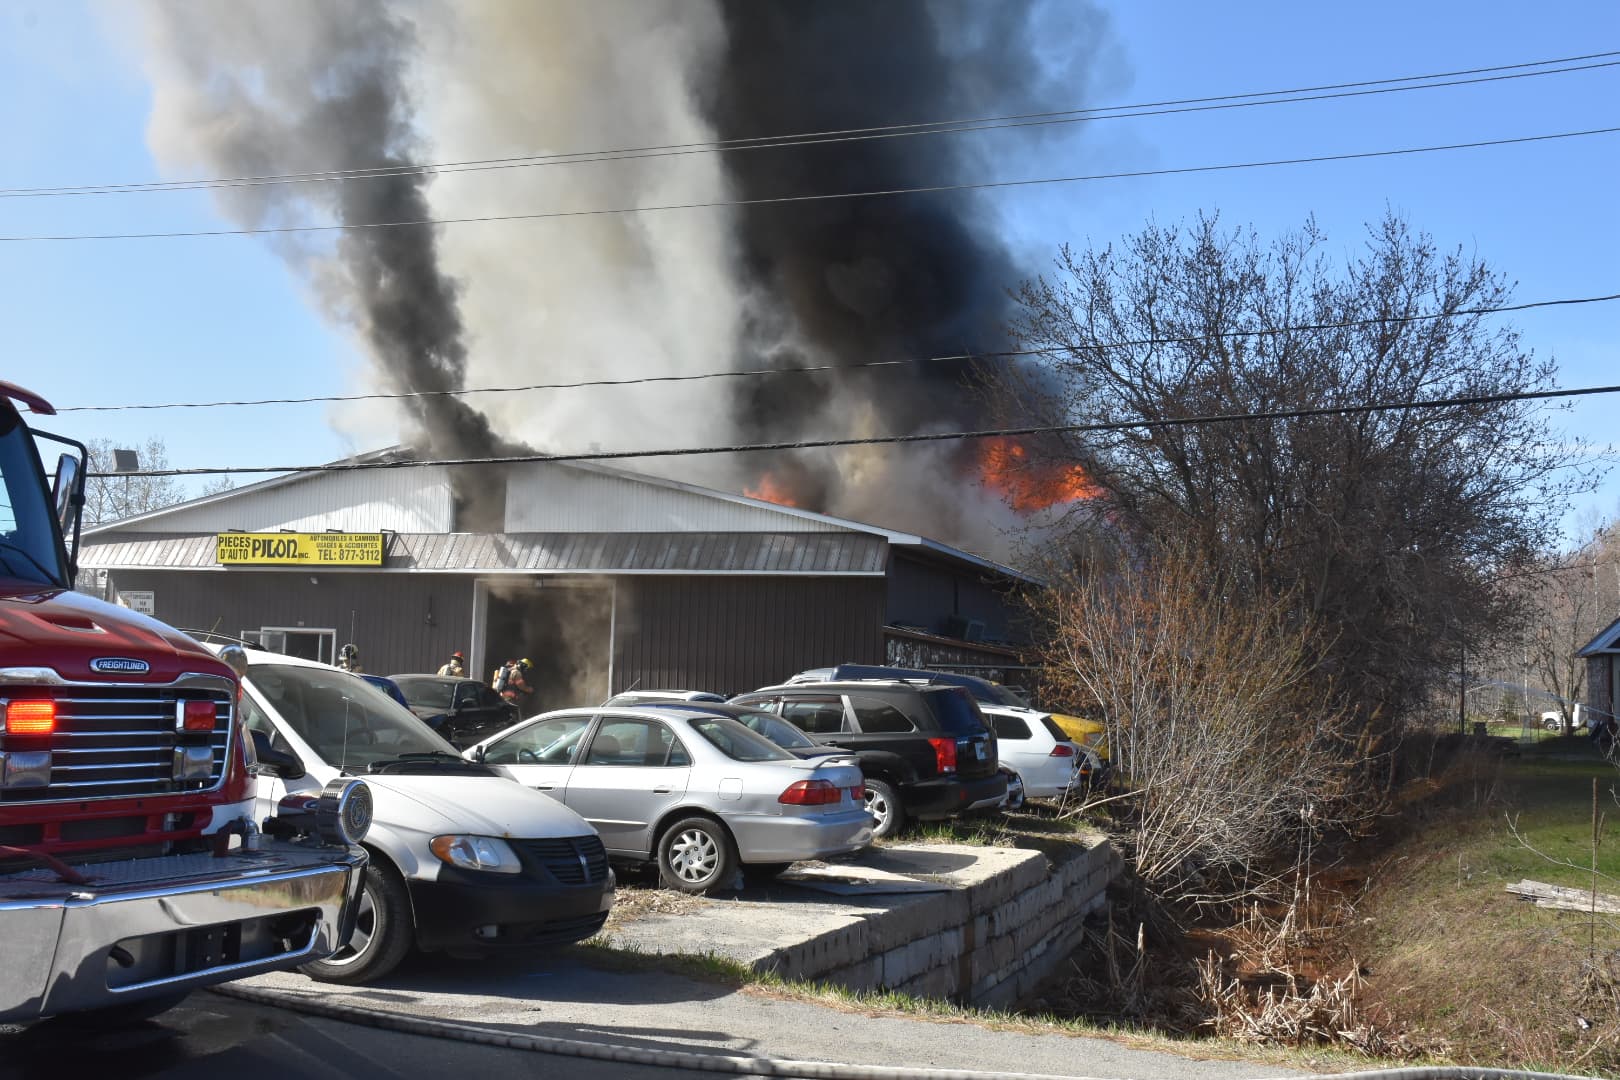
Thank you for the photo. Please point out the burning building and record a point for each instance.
(605, 579)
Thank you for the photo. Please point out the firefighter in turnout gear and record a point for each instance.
(456, 666)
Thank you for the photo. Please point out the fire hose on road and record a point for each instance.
(738, 1065)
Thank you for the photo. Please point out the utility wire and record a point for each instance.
(783, 200)
(880, 440)
(1004, 354)
(941, 127)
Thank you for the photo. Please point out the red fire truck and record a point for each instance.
(131, 869)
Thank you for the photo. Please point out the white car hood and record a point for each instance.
(477, 805)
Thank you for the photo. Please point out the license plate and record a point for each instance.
(978, 750)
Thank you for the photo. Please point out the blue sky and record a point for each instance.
(91, 323)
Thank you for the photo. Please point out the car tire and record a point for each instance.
(1552, 723)
(695, 855)
(1014, 802)
(883, 803)
(382, 932)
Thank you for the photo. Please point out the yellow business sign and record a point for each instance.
(299, 549)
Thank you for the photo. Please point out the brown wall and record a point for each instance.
(386, 616)
(736, 634)
(924, 594)
(708, 633)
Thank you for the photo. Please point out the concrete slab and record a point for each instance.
(792, 928)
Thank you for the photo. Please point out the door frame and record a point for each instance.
(479, 663)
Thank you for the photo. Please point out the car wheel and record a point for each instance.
(1015, 793)
(1552, 723)
(695, 855)
(382, 932)
(883, 803)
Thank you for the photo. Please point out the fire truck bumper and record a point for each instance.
(157, 927)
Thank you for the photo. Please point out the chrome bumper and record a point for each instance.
(149, 927)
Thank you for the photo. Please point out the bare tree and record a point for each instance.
(1228, 755)
(109, 498)
(1386, 530)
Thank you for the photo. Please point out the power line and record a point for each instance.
(881, 440)
(783, 200)
(941, 127)
(1004, 354)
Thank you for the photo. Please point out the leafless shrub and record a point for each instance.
(1225, 749)
(1297, 1013)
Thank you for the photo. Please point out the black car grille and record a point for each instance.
(117, 743)
(573, 860)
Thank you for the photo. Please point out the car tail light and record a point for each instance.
(858, 792)
(810, 793)
(1062, 749)
(28, 717)
(944, 754)
(196, 717)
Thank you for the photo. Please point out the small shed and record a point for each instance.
(1602, 655)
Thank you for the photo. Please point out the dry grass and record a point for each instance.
(631, 903)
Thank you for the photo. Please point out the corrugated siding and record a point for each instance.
(732, 635)
(401, 624)
(673, 553)
(729, 634)
(556, 498)
(372, 500)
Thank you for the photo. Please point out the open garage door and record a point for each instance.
(563, 627)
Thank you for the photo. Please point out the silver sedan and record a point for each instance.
(699, 794)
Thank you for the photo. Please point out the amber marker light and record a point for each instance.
(28, 717)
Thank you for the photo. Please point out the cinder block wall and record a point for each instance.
(988, 945)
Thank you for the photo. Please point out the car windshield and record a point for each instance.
(736, 741)
(776, 729)
(348, 722)
(427, 693)
(27, 536)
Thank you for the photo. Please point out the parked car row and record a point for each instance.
(710, 792)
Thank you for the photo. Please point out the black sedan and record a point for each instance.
(463, 711)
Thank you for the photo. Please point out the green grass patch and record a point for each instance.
(1470, 967)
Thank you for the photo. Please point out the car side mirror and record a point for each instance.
(273, 762)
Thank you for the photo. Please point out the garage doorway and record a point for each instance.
(562, 626)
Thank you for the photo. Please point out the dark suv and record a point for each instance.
(925, 750)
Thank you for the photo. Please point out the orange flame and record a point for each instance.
(770, 489)
(1005, 468)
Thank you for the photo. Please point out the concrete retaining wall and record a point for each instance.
(981, 925)
(988, 942)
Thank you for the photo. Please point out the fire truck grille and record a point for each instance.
(120, 742)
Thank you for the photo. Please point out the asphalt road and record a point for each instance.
(216, 1038)
(561, 996)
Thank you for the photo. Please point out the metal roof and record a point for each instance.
(1607, 641)
(545, 553)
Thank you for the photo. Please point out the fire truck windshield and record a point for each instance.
(28, 546)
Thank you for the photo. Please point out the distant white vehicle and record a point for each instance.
(1553, 719)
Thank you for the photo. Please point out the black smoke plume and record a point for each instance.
(260, 89)
(873, 278)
